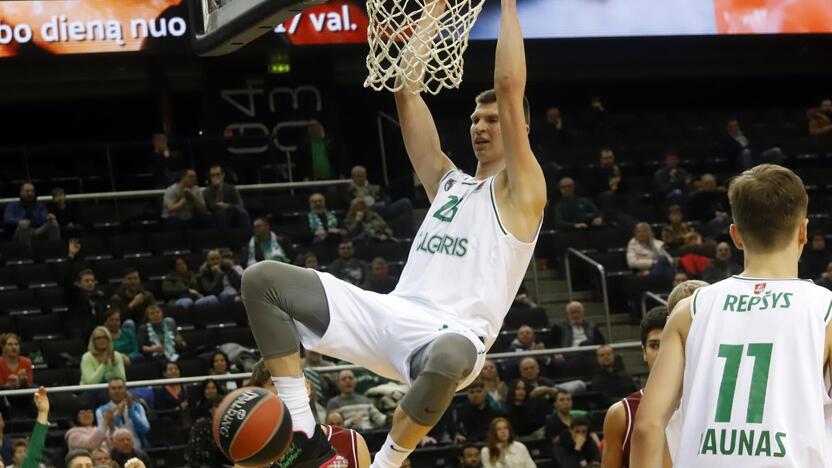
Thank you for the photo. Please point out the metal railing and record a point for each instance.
(602, 271)
(339, 368)
(651, 296)
(159, 192)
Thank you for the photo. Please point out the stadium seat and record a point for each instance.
(51, 377)
(212, 315)
(40, 327)
(15, 253)
(206, 239)
(94, 248)
(110, 269)
(167, 243)
(7, 324)
(99, 217)
(51, 299)
(534, 317)
(142, 370)
(18, 302)
(239, 335)
(153, 267)
(49, 250)
(129, 245)
(192, 367)
(34, 275)
(56, 352)
(6, 279)
(200, 340)
(605, 239)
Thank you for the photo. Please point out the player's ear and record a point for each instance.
(528, 129)
(803, 232)
(735, 236)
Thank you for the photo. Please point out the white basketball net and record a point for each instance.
(418, 44)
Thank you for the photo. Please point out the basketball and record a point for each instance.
(252, 426)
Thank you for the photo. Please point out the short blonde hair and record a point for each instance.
(768, 202)
(681, 291)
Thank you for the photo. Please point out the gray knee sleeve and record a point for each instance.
(438, 368)
(274, 295)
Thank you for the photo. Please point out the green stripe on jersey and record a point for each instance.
(828, 310)
(494, 205)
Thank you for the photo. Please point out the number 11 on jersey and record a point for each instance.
(761, 352)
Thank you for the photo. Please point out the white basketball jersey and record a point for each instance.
(463, 262)
(754, 390)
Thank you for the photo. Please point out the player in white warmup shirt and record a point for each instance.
(750, 355)
(464, 268)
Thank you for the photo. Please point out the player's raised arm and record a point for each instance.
(662, 393)
(421, 139)
(526, 184)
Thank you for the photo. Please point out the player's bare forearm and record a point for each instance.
(421, 140)
(525, 177)
(661, 395)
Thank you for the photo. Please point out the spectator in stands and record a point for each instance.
(525, 340)
(183, 203)
(576, 448)
(126, 413)
(605, 181)
(201, 449)
(159, 337)
(29, 218)
(125, 448)
(611, 379)
(165, 164)
(217, 277)
(495, 389)
(27, 452)
(86, 302)
(210, 392)
(365, 224)
(734, 144)
(559, 422)
(224, 202)
(316, 152)
(348, 268)
(820, 119)
(814, 260)
(379, 279)
(526, 409)
(132, 295)
(596, 119)
(101, 363)
(178, 286)
(646, 254)
(78, 458)
(555, 134)
(220, 365)
(174, 396)
(322, 222)
(722, 266)
(265, 245)
(373, 197)
(709, 205)
(358, 410)
(530, 374)
(101, 459)
(13, 363)
(825, 279)
(5, 443)
(673, 234)
(474, 415)
(324, 384)
(679, 278)
(572, 211)
(695, 254)
(470, 457)
(310, 260)
(124, 339)
(501, 450)
(65, 215)
(671, 180)
(85, 434)
(575, 329)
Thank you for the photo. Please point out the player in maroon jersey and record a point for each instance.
(348, 444)
(618, 424)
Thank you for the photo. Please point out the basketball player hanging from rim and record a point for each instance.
(464, 268)
(748, 355)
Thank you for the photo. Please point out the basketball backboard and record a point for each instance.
(223, 26)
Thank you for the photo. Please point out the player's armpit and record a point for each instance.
(363, 452)
(661, 396)
(615, 428)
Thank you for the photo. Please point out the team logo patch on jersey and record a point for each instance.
(449, 184)
(759, 288)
